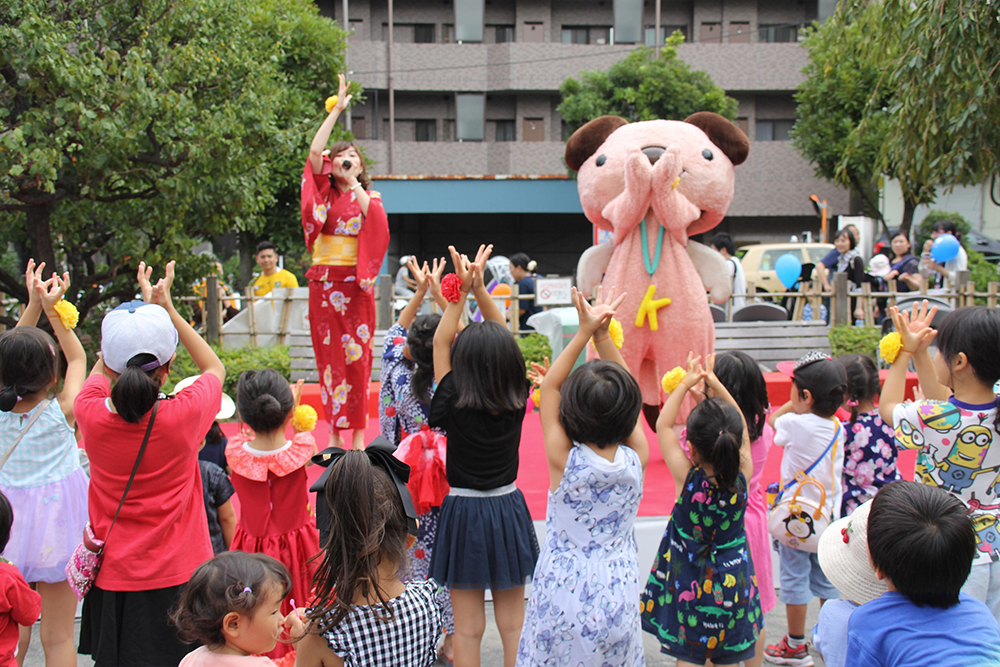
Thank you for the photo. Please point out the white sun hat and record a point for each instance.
(226, 410)
(843, 555)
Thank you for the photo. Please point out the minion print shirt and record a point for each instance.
(958, 452)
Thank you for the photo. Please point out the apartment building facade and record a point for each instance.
(474, 89)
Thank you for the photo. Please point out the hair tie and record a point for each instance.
(247, 589)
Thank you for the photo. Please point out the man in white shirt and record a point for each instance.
(723, 244)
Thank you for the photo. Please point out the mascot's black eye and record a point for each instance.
(707, 154)
(601, 159)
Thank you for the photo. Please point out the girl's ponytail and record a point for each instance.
(420, 340)
(135, 391)
(367, 526)
(863, 382)
(715, 431)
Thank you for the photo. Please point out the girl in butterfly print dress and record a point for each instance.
(701, 600)
(582, 607)
(347, 232)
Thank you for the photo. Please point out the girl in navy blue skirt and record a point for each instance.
(485, 537)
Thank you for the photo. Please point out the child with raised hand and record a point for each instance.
(869, 452)
(19, 605)
(407, 379)
(269, 473)
(582, 606)
(485, 535)
(742, 377)
(43, 478)
(362, 613)
(955, 428)
(701, 599)
(160, 535)
(232, 607)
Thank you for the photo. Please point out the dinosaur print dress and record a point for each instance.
(701, 599)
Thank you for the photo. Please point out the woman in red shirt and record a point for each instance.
(160, 536)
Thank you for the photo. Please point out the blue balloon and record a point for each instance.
(945, 248)
(789, 270)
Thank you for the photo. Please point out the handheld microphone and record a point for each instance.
(346, 164)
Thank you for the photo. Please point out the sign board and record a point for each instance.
(553, 291)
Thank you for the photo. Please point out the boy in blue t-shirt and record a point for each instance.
(922, 543)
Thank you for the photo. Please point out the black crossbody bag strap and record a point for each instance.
(135, 468)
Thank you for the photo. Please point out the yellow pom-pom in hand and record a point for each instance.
(331, 102)
(536, 398)
(304, 418)
(68, 314)
(890, 345)
(672, 378)
(617, 335)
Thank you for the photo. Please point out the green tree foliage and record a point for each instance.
(836, 97)
(643, 86)
(132, 130)
(946, 98)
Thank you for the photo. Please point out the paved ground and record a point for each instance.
(492, 651)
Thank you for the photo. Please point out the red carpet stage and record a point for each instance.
(533, 478)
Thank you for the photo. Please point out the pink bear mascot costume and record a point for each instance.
(653, 184)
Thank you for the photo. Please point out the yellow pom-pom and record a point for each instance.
(68, 314)
(617, 335)
(672, 378)
(536, 398)
(890, 345)
(331, 102)
(304, 418)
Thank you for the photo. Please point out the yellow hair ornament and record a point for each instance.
(672, 378)
(68, 314)
(304, 418)
(890, 345)
(331, 102)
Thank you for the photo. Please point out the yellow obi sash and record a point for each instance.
(335, 250)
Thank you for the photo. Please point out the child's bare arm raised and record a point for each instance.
(31, 313)
(557, 443)
(49, 293)
(421, 275)
(894, 388)
(677, 461)
(444, 335)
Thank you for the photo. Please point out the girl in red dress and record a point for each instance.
(269, 473)
(347, 232)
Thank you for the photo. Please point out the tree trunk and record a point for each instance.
(247, 247)
(40, 236)
(909, 205)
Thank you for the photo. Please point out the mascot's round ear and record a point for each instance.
(722, 132)
(586, 140)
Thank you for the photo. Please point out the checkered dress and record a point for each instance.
(409, 639)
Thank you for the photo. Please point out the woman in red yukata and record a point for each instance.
(347, 232)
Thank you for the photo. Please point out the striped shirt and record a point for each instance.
(46, 454)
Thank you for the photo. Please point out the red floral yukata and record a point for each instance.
(348, 248)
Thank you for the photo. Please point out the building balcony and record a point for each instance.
(514, 66)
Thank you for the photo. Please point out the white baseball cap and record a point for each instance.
(134, 328)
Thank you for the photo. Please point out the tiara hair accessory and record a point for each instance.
(811, 358)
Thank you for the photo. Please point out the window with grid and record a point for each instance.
(586, 34)
(503, 33)
(665, 31)
(506, 130)
(778, 32)
(425, 130)
(423, 33)
(774, 130)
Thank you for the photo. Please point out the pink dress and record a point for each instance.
(756, 519)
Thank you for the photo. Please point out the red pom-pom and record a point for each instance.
(419, 553)
(451, 288)
(398, 340)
